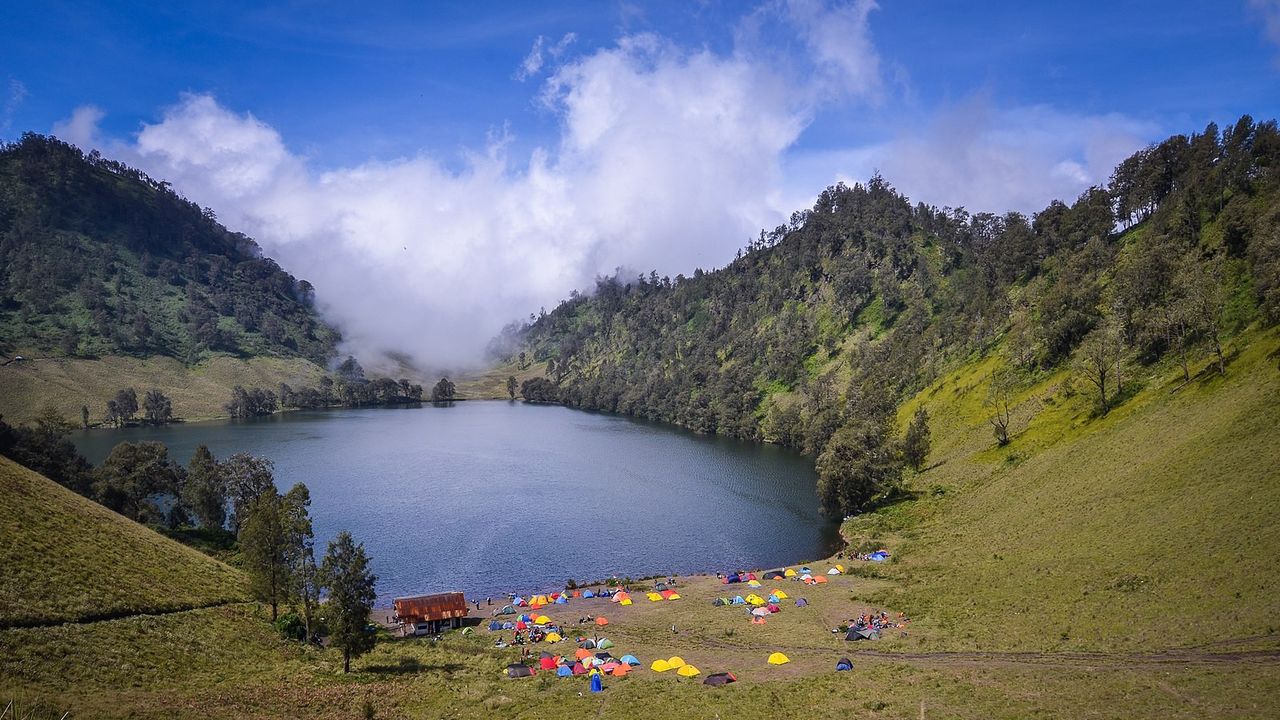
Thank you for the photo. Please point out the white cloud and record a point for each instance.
(839, 40)
(984, 158)
(81, 128)
(17, 93)
(534, 61)
(1269, 12)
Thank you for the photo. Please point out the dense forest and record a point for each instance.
(98, 259)
(817, 330)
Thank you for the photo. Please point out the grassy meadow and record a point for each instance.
(198, 392)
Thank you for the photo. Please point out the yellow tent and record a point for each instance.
(840, 568)
(654, 597)
(754, 599)
(540, 599)
(625, 601)
(673, 596)
(753, 583)
(553, 637)
(660, 666)
(542, 620)
(789, 573)
(688, 671)
(675, 661)
(778, 659)
(779, 594)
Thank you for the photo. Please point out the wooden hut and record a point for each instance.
(440, 611)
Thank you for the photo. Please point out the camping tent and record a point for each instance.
(773, 599)
(675, 661)
(564, 671)
(733, 578)
(588, 643)
(802, 602)
(610, 666)
(719, 602)
(737, 600)
(581, 653)
(542, 620)
(620, 670)
(553, 637)
(778, 659)
(670, 595)
(495, 625)
(516, 670)
(818, 580)
(579, 669)
(754, 583)
(467, 630)
(879, 556)
(779, 594)
(760, 612)
(688, 671)
(604, 656)
(660, 666)
(775, 574)
(547, 662)
(601, 621)
(844, 664)
(604, 643)
(654, 597)
(562, 600)
(630, 660)
(754, 599)
(789, 573)
(625, 601)
(862, 635)
(507, 610)
(833, 571)
(718, 679)
(772, 608)
(587, 594)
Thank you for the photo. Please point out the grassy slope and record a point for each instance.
(198, 392)
(64, 558)
(1150, 528)
(491, 384)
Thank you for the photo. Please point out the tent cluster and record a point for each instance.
(761, 607)
(664, 595)
(581, 663)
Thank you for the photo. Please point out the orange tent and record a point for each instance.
(819, 579)
(601, 621)
(621, 670)
(582, 654)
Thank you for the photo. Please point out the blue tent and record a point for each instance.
(495, 625)
(773, 599)
(737, 600)
(878, 556)
(843, 664)
(588, 594)
(630, 660)
(564, 671)
(562, 600)
(508, 626)
(801, 602)
(734, 578)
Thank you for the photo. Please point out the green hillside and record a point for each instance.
(98, 259)
(67, 559)
(1153, 528)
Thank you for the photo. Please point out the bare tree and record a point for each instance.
(1000, 404)
(1097, 359)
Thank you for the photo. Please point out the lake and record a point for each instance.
(489, 497)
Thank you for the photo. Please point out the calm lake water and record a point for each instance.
(490, 497)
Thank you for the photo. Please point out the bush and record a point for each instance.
(291, 627)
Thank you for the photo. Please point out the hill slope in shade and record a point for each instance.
(98, 259)
(64, 558)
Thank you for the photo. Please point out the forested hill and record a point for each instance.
(819, 329)
(98, 259)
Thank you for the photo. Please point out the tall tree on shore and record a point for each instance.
(247, 477)
(264, 544)
(511, 386)
(444, 391)
(157, 408)
(122, 407)
(304, 576)
(351, 594)
(205, 491)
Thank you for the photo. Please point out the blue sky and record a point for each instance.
(533, 146)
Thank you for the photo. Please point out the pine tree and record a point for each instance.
(915, 446)
(351, 594)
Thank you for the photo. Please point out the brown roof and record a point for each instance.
(441, 606)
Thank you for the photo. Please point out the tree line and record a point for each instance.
(818, 329)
